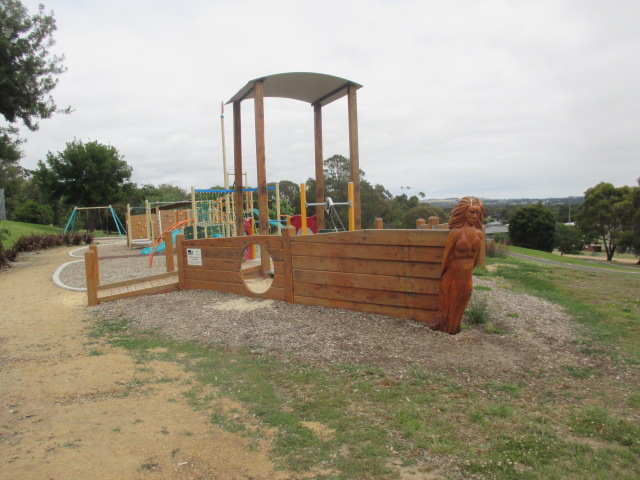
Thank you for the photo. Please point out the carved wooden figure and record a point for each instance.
(461, 255)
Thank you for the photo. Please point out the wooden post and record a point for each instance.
(287, 263)
(127, 220)
(237, 168)
(194, 212)
(379, 224)
(149, 220)
(91, 273)
(168, 244)
(263, 207)
(180, 256)
(317, 124)
(420, 222)
(352, 215)
(354, 154)
(94, 248)
(434, 222)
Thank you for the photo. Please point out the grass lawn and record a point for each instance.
(17, 229)
(580, 423)
(588, 261)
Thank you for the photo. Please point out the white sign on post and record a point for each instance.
(194, 256)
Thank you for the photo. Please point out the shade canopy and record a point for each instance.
(314, 88)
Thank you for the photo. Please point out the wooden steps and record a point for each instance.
(162, 283)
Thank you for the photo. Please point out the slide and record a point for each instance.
(162, 246)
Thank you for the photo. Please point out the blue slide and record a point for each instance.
(162, 246)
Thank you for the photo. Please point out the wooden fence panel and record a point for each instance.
(392, 272)
(224, 267)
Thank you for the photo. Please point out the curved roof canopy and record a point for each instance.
(313, 88)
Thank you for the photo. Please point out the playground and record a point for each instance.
(246, 350)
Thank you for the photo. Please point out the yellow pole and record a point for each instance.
(352, 216)
(303, 208)
(278, 208)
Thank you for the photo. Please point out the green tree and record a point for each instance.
(608, 214)
(533, 227)
(12, 176)
(86, 175)
(630, 239)
(569, 239)
(28, 72)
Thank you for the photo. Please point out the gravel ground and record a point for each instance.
(537, 334)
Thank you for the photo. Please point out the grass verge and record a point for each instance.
(355, 421)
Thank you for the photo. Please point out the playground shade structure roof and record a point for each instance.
(314, 88)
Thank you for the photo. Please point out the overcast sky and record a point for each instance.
(498, 99)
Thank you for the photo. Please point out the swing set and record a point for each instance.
(74, 216)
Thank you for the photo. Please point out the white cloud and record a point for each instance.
(493, 98)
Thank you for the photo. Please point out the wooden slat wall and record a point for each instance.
(221, 264)
(392, 272)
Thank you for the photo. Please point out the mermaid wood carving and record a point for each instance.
(461, 255)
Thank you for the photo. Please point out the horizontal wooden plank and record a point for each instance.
(270, 242)
(403, 253)
(122, 292)
(425, 238)
(134, 281)
(273, 293)
(372, 267)
(225, 277)
(362, 295)
(415, 314)
(227, 253)
(221, 264)
(374, 282)
(212, 275)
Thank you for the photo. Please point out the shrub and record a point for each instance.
(496, 249)
(87, 238)
(4, 261)
(478, 311)
(34, 212)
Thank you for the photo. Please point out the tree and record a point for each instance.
(86, 175)
(608, 214)
(533, 227)
(569, 239)
(28, 72)
(630, 239)
(12, 175)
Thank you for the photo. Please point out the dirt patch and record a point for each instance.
(75, 409)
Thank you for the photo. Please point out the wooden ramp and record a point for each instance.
(162, 283)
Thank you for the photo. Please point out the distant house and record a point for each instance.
(491, 228)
